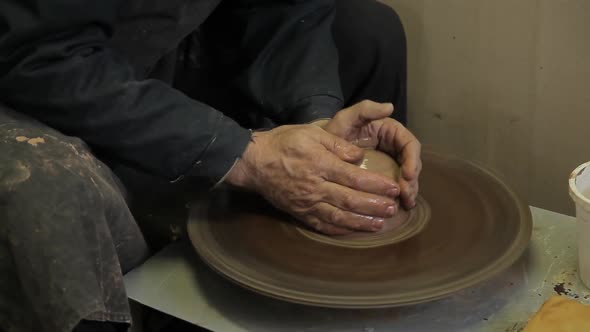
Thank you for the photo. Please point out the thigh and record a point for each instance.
(372, 53)
(371, 49)
(66, 234)
(57, 176)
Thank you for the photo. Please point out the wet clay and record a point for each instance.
(380, 162)
(403, 225)
(478, 227)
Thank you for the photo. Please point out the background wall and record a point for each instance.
(504, 83)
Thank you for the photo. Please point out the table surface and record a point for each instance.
(176, 282)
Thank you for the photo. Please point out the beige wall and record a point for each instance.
(505, 83)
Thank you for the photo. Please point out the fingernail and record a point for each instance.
(390, 211)
(393, 192)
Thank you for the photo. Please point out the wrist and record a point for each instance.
(243, 173)
(238, 174)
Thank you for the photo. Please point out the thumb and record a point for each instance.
(364, 112)
(344, 150)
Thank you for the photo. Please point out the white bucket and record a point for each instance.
(579, 184)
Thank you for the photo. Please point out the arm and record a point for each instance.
(290, 58)
(55, 66)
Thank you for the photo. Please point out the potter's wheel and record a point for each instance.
(467, 227)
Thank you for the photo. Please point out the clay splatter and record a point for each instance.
(32, 141)
(560, 289)
(35, 141)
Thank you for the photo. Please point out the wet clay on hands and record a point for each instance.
(403, 225)
(381, 163)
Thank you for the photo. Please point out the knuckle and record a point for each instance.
(339, 115)
(303, 196)
(302, 214)
(317, 226)
(349, 202)
(305, 202)
(300, 205)
(307, 189)
(364, 104)
(314, 223)
(398, 125)
(355, 181)
(406, 194)
(336, 145)
(336, 217)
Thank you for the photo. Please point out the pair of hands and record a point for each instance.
(311, 172)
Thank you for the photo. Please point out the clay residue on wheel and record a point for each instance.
(478, 228)
(401, 227)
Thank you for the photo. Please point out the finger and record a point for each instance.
(346, 151)
(356, 178)
(411, 163)
(410, 171)
(325, 228)
(337, 217)
(358, 202)
(409, 192)
(364, 112)
(394, 137)
(371, 111)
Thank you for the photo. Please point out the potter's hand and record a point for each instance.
(368, 125)
(308, 173)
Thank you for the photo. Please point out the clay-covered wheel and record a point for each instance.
(477, 227)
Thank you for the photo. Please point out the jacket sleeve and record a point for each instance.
(55, 66)
(290, 58)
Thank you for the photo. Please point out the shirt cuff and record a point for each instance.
(222, 153)
(316, 107)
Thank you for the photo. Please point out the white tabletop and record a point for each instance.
(176, 282)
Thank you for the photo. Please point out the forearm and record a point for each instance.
(59, 71)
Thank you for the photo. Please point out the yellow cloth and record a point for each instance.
(560, 314)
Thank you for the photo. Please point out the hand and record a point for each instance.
(368, 125)
(310, 174)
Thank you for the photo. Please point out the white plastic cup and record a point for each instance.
(579, 188)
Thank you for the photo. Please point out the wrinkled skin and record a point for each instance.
(311, 174)
(368, 125)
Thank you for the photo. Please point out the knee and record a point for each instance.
(387, 31)
(42, 158)
(375, 27)
(43, 172)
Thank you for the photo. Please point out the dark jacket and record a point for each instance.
(81, 66)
